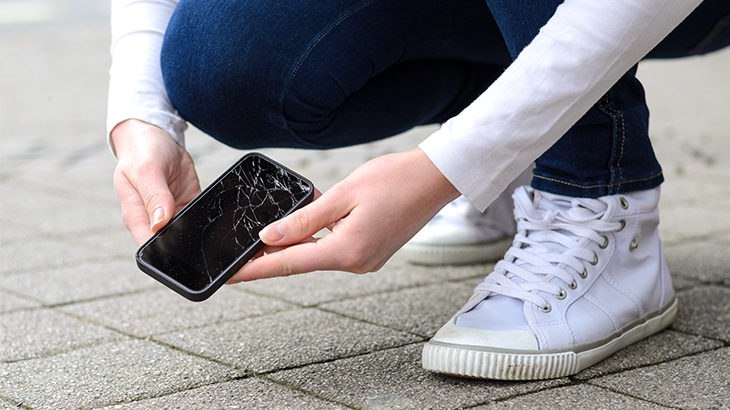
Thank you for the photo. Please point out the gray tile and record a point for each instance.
(286, 339)
(9, 302)
(4, 405)
(663, 346)
(707, 261)
(43, 332)
(682, 283)
(460, 272)
(318, 287)
(107, 374)
(162, 311)
(252, 393)
(111, 242)
(704, 311)
(394, 379)
(81, 282)
(681, 222)
(695, 382)
(12, 230)
(55, 214)
(572, 397)
(421, 310)
(682, 191)
(38, 253)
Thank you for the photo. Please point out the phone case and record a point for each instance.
(232, 195)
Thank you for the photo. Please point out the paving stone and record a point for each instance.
(663, 346)
(9, 302)
(695, 382)
(572, 397)
(421, 310)
(12, 231)
(4, 405)
(394, 379)
(682, 222)
(162, 311)
(707, 261)
(681, 191)
(318, 287)
(252, 393)
(80, 282)
(39, 253)
(286, 339)
(57, 215)
(107, 374)
(682, 283)
(109, 242)
(43, 332)
(86, 175)
(704, 311)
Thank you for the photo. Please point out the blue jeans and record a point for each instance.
(325, 74)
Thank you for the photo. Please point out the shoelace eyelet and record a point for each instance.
(624, 203)
(623, 225)
(574, 285)
(604, 245)
(562, 295)
(583, 274)
(545, 309)
(633, 245)
(594, 262)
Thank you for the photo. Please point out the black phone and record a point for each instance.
(211, 238)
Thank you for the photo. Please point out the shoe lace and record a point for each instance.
(548, 245)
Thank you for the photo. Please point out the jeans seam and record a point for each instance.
(618, 123)
(609, 185)
(311, 47)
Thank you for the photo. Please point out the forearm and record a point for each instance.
(579, 54)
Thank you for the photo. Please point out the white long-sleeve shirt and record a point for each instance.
(577, 56)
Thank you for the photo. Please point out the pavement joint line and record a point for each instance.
(335, 359)
(101, 259)
(15, 403)
(382, 292)
(569, 383)
(424, 337)
(642, 399)
(167, 394)
(305, 391)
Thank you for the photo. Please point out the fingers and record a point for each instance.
(304, 223)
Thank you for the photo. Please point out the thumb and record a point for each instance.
(303, 223)
(158, 200)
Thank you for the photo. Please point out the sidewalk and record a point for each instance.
(82, 327)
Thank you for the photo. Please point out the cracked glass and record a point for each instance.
(216, 233)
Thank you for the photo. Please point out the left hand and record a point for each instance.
(371, 214)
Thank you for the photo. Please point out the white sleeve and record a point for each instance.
(577, 56)
(136, 89)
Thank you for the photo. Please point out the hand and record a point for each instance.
(154, 178)
(371, 214)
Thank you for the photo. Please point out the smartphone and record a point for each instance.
(217, 232)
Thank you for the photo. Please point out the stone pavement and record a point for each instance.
(81, 327)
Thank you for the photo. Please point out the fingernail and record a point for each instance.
(273, 232)
(158, 216)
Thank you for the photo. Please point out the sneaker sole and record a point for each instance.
(456, 254)
(477, 362)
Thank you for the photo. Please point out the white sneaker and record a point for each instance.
(584, 279)
(459, 234)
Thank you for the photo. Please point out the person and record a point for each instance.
(513, 82)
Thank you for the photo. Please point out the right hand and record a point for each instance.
(154, 178)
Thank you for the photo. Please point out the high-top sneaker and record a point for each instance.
(459, 234)
(583, 279)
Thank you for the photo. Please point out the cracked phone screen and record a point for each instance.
(222, 224)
